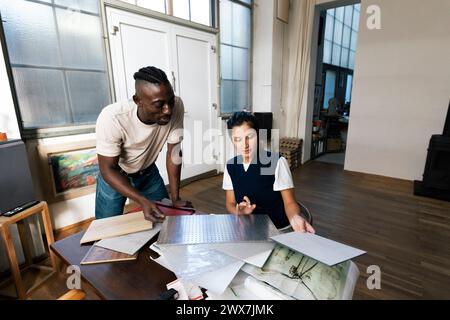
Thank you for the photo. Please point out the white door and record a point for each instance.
(196, 68)
(189, 60)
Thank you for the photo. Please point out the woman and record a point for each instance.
(260, 180)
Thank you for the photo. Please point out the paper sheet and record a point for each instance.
(218, 280)
(191, 261)
(324, 250)
(304, 278)
(253, 253)
(130, 243)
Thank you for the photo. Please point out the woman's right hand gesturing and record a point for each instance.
(245, 207)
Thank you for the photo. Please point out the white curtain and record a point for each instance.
(297, 57)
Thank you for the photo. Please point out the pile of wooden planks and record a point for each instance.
(291, 149)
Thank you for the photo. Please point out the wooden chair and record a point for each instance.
(304, 211)
(73, 294)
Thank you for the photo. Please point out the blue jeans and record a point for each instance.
(109, 202)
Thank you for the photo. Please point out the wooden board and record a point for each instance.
(116, 226)
(101, 255)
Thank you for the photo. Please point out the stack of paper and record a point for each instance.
(120, 237)
(302, 266)
(209, 250)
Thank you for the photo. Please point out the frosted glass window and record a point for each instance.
(327, 48)
(58, 60)
(181, 9)
(344, 58)
(329, 28)
(42, 96)
(235, 39)
(348, 89)
(240, 63)
(358, 7)
(201, 11)
(340, 14)
(354, 41)
(155, 5)
(89, 94)
(240, 21)
(225, 22)
(240, 95)
(330, 86)
(336, 56)
(247, 1)
(30, 28)
(331, 12)
(85, 5)
(355, 24)
(226, 96)
(351, 60)
(346, 37)
(348, 16)
(226, 62)
(81, 42)
(338, 32)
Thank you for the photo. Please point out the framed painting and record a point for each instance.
(71, 170)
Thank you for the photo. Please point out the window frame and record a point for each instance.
(56, 130)
(77, 129)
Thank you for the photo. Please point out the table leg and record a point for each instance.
(15, 271)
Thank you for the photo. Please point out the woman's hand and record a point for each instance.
(245, 207)
(300, 224)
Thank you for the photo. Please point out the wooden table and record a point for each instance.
(40, 208)
(140, 279)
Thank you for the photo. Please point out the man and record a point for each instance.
(130, 135)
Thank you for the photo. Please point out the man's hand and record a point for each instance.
(245, 207)
(182, 203)
(300, 224)
(152, 212)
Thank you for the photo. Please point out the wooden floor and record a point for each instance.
(408, 237)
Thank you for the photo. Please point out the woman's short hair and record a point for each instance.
(241, 117)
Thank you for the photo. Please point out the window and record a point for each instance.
(330, 86)
(235, 51)
(57, 59)
(156, 5)
(341, 35)
(348, 90)
(199, 11)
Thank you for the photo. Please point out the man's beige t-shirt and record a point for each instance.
(120, 133)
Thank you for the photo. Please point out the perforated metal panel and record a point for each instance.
(225, 228)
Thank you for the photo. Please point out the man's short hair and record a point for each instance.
(152, 75)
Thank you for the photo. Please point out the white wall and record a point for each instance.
(268, 35)
(262, 55)
(8, 119)
(401, 87)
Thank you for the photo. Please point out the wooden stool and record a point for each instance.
(5, 222)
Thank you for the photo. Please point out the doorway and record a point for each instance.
(189, 59)
(336, 51)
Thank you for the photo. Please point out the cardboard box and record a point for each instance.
(334, 144)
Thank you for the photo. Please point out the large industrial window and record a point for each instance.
(199, 11)
(341, 36)
(235, 55)
(58, 62)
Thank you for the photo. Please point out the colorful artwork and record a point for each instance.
(74, 169)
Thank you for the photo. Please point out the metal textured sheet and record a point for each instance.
(223, 228)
